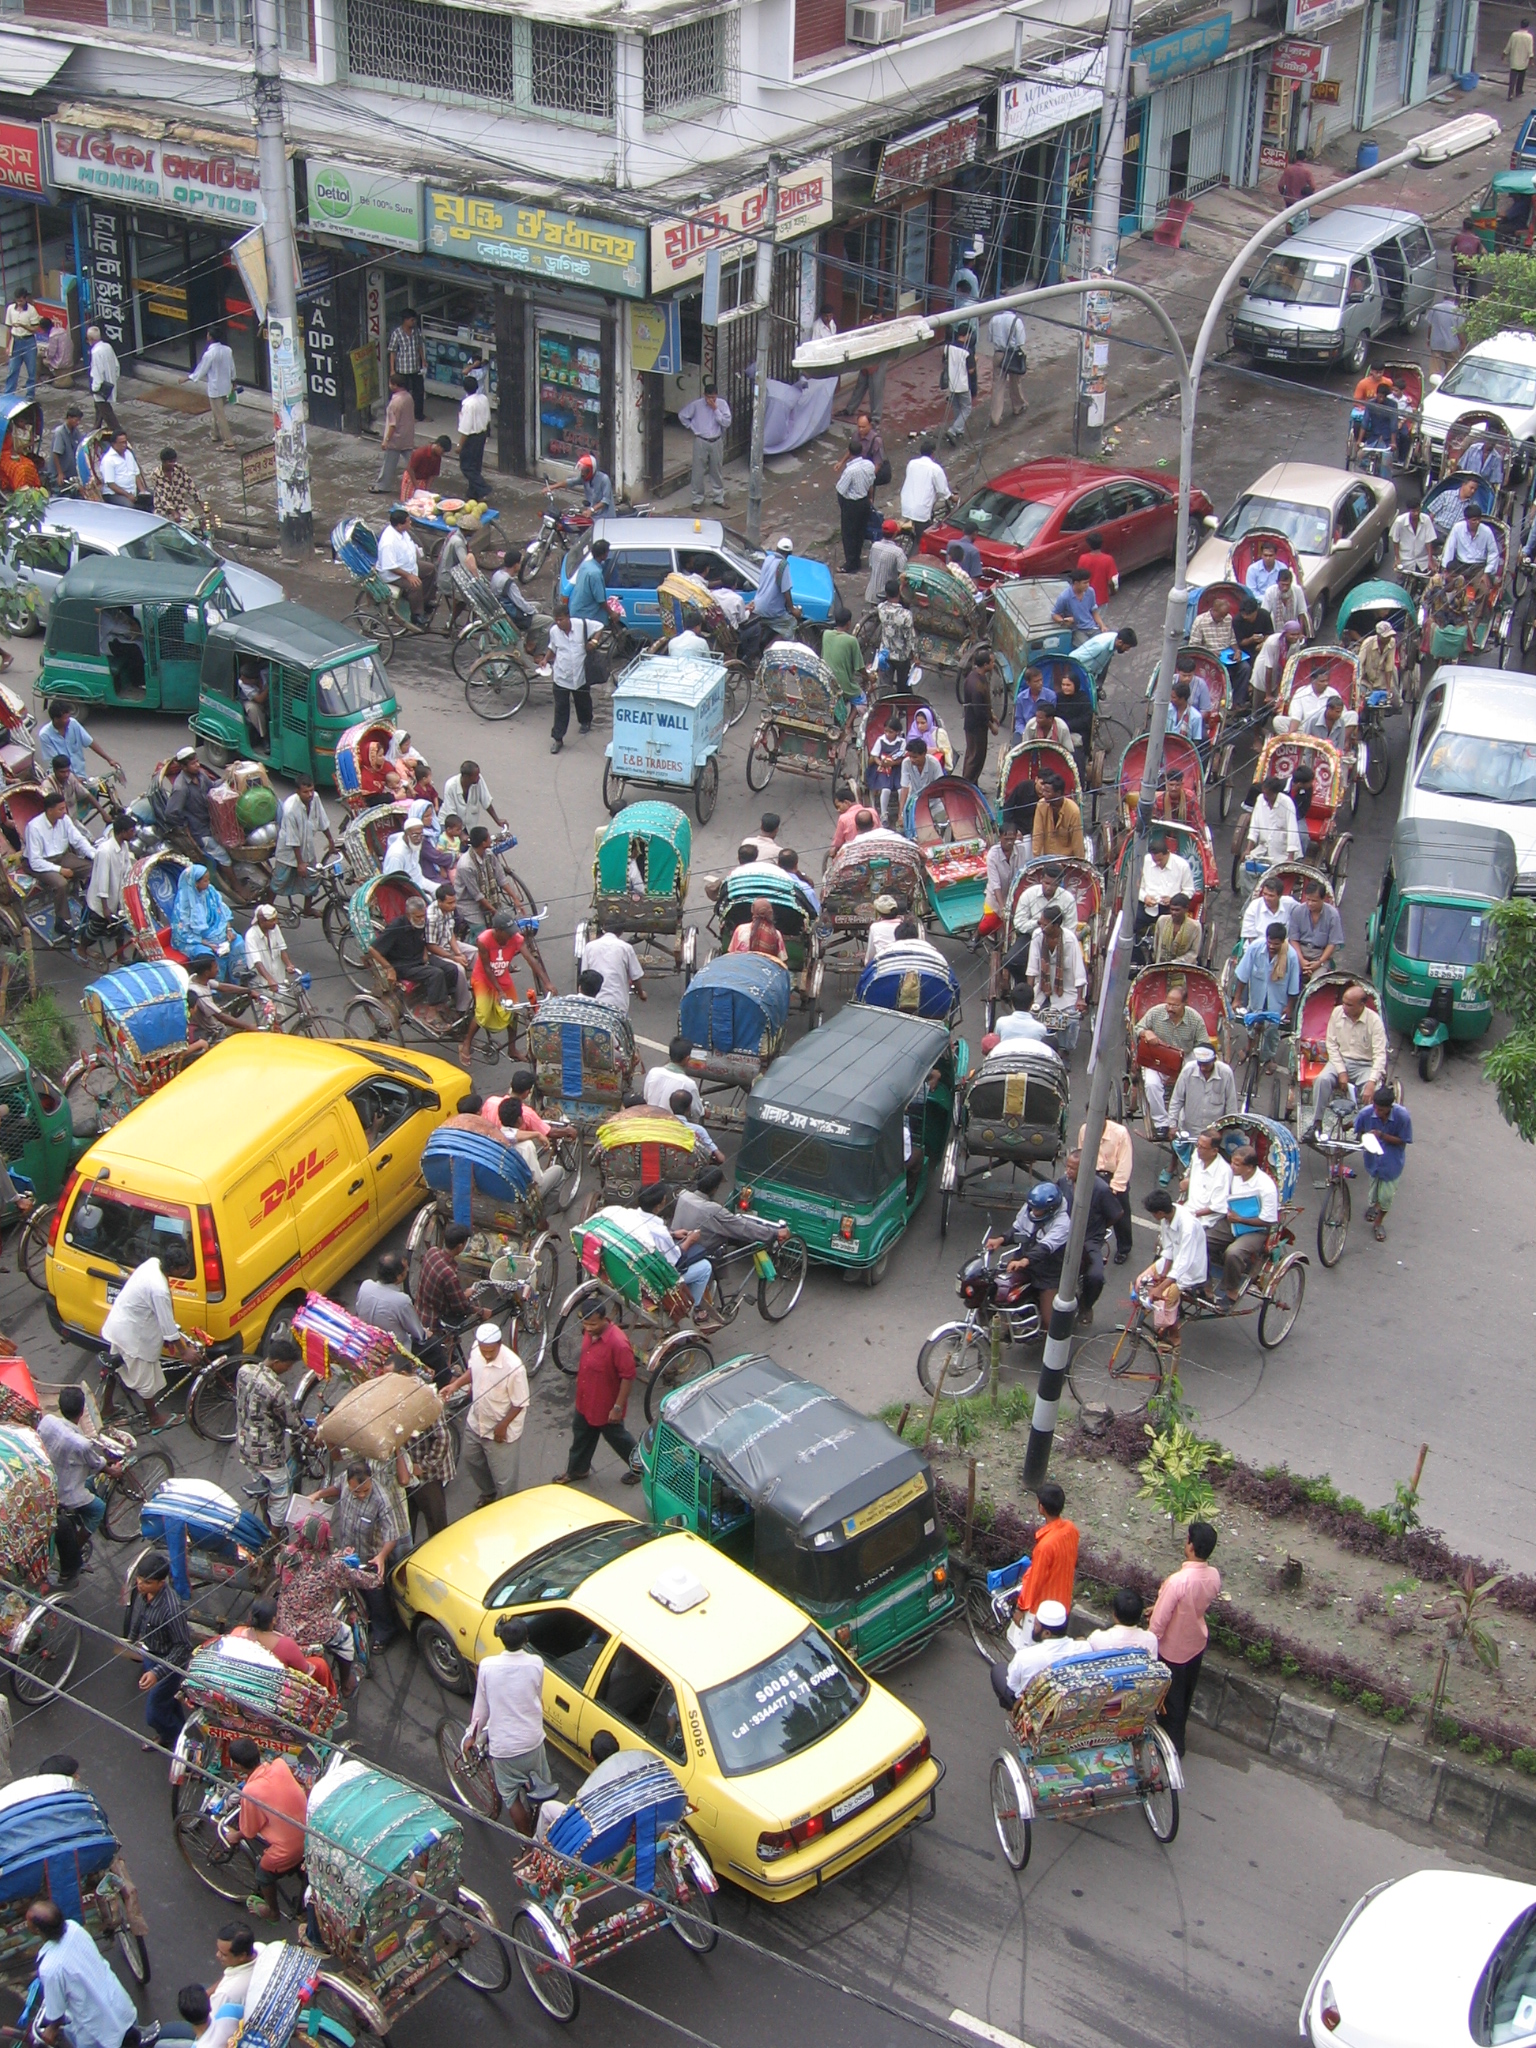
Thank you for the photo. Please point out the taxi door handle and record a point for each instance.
(354, 1187)
(564, 1704)
(385, 1160)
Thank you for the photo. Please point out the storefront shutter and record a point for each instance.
(1208, 126)
(18, 244)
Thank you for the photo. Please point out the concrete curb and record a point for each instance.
(1463, 1804)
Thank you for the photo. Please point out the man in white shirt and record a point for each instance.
(1208, 1182)
(662, 1083)
(1005, 331)
(141, 1323)
(474, 426)
(923, 485)
(493, 1435)
(1303, 701)
(266, 950)
(1164, 875)
(1006, 861)
(509, 1711)
(1288, 602)
(1414, 540)
(1277, 650)
(855, 487)
(1125, 1632)
(226, 2002)
(616, 960)
(300, 824)
(216, 371)
(58, 853)
(1048, 1644)
(1267, 906)
(645, 1224)
(1472, 546)
(1182, 1261)
(1058, 977)
(469, 794)
(401, 566)
(882, 930)
(1253, 1204)
(104, 376)
(1273, 832)
(109, 870)
(121, 479)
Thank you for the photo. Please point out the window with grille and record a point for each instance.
(692, 65)
(226, 22)
(418, 46)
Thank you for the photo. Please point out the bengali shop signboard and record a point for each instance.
(504, 234)
(221, 185)
(679, 246)
(21, 156)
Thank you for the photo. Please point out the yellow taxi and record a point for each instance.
(797, 1763)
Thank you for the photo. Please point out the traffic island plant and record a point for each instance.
(1345, 1615)
(1506, 977)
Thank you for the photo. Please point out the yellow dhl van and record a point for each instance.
(277, 1161)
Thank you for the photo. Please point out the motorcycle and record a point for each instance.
(958, 1356)
(559, 523)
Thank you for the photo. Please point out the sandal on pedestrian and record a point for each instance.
(1380, 1233)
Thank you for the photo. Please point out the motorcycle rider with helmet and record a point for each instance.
(1038, 1237)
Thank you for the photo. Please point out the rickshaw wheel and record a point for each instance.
(696, 1922)
(1527, 636)
(706, 790)
(473, 1786)
(354, 961)
(551, 1983)
(49, 1657)
(132, 1486)
(681, 1359)
(1282, 1304)
(1338, 869)
(97, 1097)
(989, 1636)
(613, 791)
(134, 1951)
(762, 756)
(1160, 1801)
(426, 1234)
(565, 1341)
(376, 622)
(1224, 771)
(958, 1358)
(1013, 1830)
(1354, 791)
(497, 686)
(226, 1872)
(32, 1251)
(1333, 1224)
(1378, 765)
(367, 1017)
(776, 1297)
(1431, 1060)
(1116, 1372)
(945, 1200)
(485, 1965)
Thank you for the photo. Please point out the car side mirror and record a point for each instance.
(1340, 540)
(1436, 380)
(1246, 281)
(1209, 522)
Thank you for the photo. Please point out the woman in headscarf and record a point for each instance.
(926, 727)
(1075, 712)
(403, 854)
(762, 935)
(201, 926)
(436, 865)
(313, 1579)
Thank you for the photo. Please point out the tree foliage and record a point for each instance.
(1507, 977)
(1506, 286)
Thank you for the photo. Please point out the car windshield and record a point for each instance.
(998, 515)
(1492, 382)
(746, 555)
(352, 686)
(169, 544)
(1304, 526)
(555, 1572)
(1489, 771)
(1299, 281)
(1446, 934)
(783, 1705)
(1506, 2011)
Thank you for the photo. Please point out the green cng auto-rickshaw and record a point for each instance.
(1430, 929)
(842, 1130)
(281, 685)
(827, 1505)
(131, 633)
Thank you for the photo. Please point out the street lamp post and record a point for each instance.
(894, 337)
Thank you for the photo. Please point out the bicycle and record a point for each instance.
(1333, 1218)
(1274, 1063)
(206, 1374)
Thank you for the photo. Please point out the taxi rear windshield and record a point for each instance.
(784, 1705)
(109, 1223)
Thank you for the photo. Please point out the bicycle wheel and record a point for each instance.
(551, 1983)
(211, 1409)
(497, 686)
(140, 1476)
(1333, 1224)
(776, 1297)
(685, 1357)
(1282, 1304)
(474, 1784)
(485, 1965)
(565, 1340)
(97, 1096)
(534, 1320)
(959, 1357)
(694, 1920)
(32, 1248)
(48, 1653)
(1378, 764)
(988, 1634)
(377, 621)
(1116, 1372)
(738, 693)
(762, 756)
(134, 1950)
(471, 646)
(226, 1872)
(354, 961)
(1160, 1799)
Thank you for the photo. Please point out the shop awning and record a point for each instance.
(28, 63)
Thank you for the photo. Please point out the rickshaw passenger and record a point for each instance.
(1264, 574)
(1058, 822)
(1485, 459)
(520, 1122)
(1164, 875)
(918, 769)
(1006, 861)
(645, 1224)
(1049, 1644)
(1212, 630)
(761, 935)
(1045, 728)
(1183, 718)
(662, 1083)
(1306, 699)
(1126, 1631)
(1316, 927)
(1181, 1264)
(1253, 1206)
(1208, 1181)
(1205, 1092)
(680, 1102)
(789, 863)
(1264, 906)
(1356, 1041)
(1323, 723)
(1172, 1022)
(1074, 712)
(201, 925)
(1176, 937)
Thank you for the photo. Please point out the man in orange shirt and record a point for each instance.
(273, 1812)
(1053, 1562)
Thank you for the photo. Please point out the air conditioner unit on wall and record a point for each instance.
(876, 21)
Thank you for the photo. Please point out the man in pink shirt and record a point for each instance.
(1178, 1622)
(1115, 1162)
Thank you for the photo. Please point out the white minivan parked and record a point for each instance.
(1472, 758)
(1498, 376)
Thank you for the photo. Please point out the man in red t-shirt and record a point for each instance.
(424, 466)
(1103, 569)
(490, 981)
(273, 1812)
(604, 1375)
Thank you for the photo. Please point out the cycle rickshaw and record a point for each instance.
(1012, 1112)
(1250, 549)
(366, 836)
(616, 1865)
(1192, 843)
(380, 611)
(1092, 750)
(642, 1292)
(953, 827)
(869, 866)
(1324, 843)
(1023, 629)
(896, 718)
(688, 603)
(805, 727)
(1319, 669)
(1117, 1372)
(139, 1018)
(1407, 383)
(583, 1055)
(651, 843)
(644, 1148)
(1217, 745)
(793, 918)
(909, 978)
(1018, 779)
(946, 616)
(365, 774)
(1145, 1050)
(1320, 997)
(1084, 1738)
(209, 1540)
(56, 1843)
(734, 1010)
(1083, 885)
(39, 1635)
(1478, 443)
(1360, 611)
(394, 1010)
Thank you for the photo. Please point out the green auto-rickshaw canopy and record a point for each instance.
(1439, 857)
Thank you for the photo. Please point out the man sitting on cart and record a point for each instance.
(1049, 1644)
(1253, 1208)
(1356, 1044)
(403, 958)
(1180, 1267)
(1316, 927)
(1164, 875)
(610, 1766)
(645, 1224)
(1059, 977)
(716, 1229)
(1171, 1022)
(1269, 975)
(1176, 937)
(1472, 546)
(273, 1812)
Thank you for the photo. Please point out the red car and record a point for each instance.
(1035, 520)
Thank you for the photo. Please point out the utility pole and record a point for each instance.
(285, 340)
(763, 299)
(1104, 236)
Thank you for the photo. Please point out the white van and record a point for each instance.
(1497, 376)
(1472, 758)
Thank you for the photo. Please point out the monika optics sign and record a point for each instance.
(186, 178)
(505, 235)
(375, 206)
(21, 156)
(679, 247)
